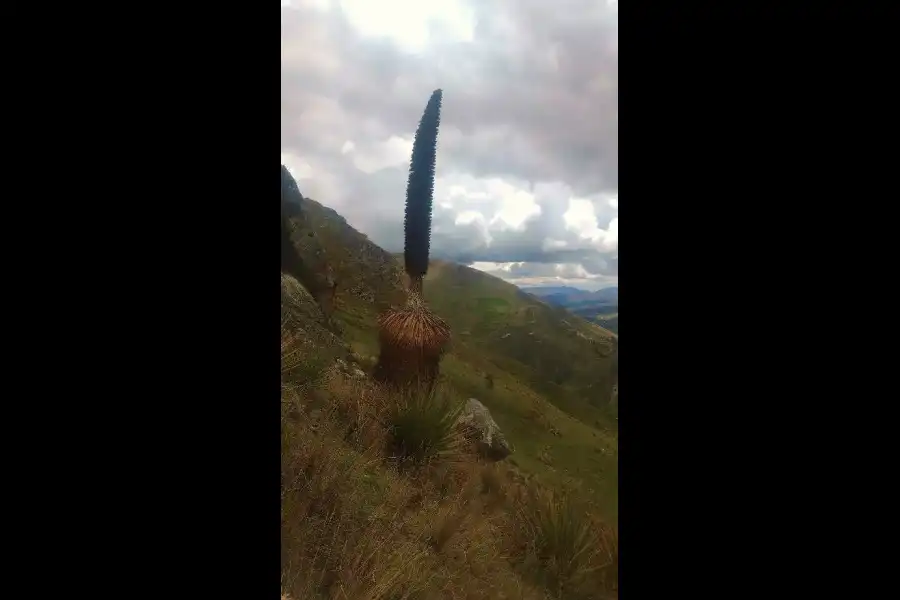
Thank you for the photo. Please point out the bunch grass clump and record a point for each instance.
(422, 425)
(567, 547)
(341, 524)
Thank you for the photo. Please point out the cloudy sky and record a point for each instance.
(527, 164)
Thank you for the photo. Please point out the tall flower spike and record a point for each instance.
(420, 193)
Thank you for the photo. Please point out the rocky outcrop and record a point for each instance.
(479, 425)
(302, 316)
(302, 253)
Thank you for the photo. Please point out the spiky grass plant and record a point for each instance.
(422, 423)
(413, 339)
(562, 540)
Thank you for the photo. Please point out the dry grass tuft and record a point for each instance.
(495, 490)
(569, 552)
(360, 407)
(464, 504)
(448, 522)
(343, 532)
(299, 367)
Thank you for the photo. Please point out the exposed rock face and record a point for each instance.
(476, 419)
(303, 317)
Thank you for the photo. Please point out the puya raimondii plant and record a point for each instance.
(413, 339)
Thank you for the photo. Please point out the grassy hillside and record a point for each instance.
(567, 360)
(552, 374)
(547, 379)
(605, 316)
(610, 322)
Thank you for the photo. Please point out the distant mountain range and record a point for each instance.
(569, 295)
(601, 306)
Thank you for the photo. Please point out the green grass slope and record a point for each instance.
(563, 357)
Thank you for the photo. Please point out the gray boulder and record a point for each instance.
(477, 422)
